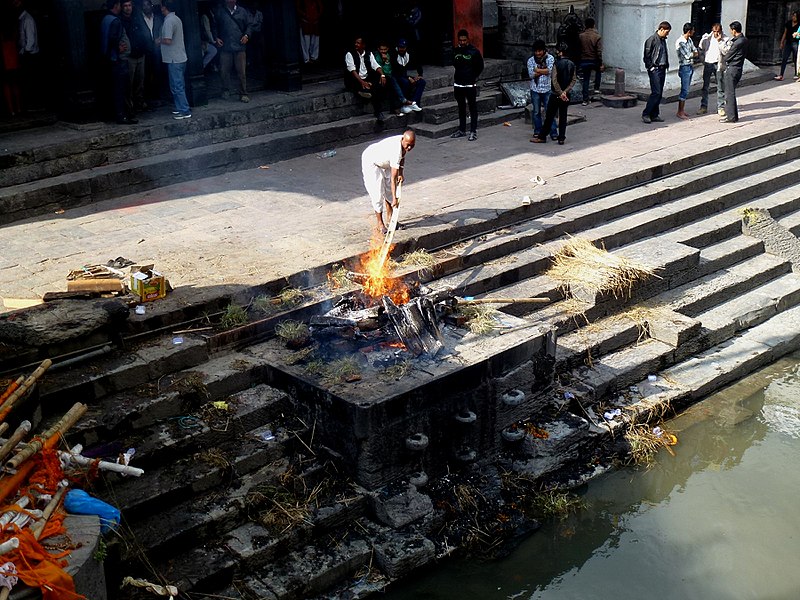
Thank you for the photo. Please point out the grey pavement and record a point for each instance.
(250, 227)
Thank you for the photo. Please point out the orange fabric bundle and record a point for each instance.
(39, 569)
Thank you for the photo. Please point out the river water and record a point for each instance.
(720, 520)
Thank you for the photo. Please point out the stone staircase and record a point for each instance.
(201, 516)
(64, 166)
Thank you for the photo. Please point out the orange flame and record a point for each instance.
(379, 280)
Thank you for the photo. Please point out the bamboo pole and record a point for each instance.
(11, 388)
(75, 456)
(5, 408)
(16, 437)
(55, 432)
(503, 301)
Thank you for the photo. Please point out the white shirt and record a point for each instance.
(388, 153)
(712, 52)
(350, 65)
(150, 22)
(28, 36)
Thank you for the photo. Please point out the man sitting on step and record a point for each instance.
(412, 85)
(363, 77)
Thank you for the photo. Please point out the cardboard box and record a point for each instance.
(148, 284)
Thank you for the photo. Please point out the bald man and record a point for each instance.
(382, 167)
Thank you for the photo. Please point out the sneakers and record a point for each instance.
(180, 117)
(585, 103)
(176, 112)
(399, 113)
(702, 110)
(458, 134)
(406, 109)
(472, 136)
(721, 112)
(778, 78)
(646, 119)
(656, 119)
(553, 137)
(365, 95)
(560, 142)
(244, 98)
(415, 107)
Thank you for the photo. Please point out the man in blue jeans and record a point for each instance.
(656, 63)
(540, 68)
(687, 52)
(173, 53)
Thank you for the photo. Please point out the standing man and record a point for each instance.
(116, 49)
(564, 78)
(789, 44)
(28, 45)
(687, 52)
(591, 58)
(137, 33)
(713, 65)
(656, 63)
(153, 67)
(382, 168)
(235, 30)
(540, 68)
(468, 64)
(173, 53)
(734, 51)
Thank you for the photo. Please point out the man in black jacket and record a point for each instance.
(734, 51)
(234, 30)
(138, 36)
(656, 62)
(468, 64)
(563, 78)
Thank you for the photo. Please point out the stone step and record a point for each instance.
(447, 110)
(616, 371)
(130, 410)
(444, 129)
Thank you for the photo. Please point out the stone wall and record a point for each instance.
(523, 21)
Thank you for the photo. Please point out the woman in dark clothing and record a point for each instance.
(788, 44)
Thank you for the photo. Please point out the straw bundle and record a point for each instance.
(581, 263)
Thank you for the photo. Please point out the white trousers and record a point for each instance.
(378, 182)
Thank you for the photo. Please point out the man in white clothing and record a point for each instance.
(382, 168)
(713, 65)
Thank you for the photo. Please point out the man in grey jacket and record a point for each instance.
(234, 31)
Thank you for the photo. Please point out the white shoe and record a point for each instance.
(405, 110)
(414, 107)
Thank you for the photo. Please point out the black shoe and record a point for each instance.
(656, 119)
(472, 136)
(646, 119)
(458, 134)
(560, 142)
(554, 137)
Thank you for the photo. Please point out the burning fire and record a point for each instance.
(379, 280)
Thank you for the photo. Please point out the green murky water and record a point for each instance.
(720, 520)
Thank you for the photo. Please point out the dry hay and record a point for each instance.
(645, 442)
(233, 316)
(286, 298)
(480, 317)
(420, 259)
(579, 262)
(337, 278)
(292, 332)
(301, 355)
(397, 371)
(751, 216)
(342, 370)
(214, 457)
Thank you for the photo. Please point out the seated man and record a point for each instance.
(411, 85)
(363, 76)
(397, 101)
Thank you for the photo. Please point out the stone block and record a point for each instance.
(672, 328)
(402, 554)
(400, 509)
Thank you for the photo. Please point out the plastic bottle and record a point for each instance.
(327, 154)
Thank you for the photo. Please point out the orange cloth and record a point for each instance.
(39, 569)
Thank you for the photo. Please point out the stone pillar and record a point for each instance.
(195, 81)
(282, 34)
(76, 90)
(626, 26)
(523, 21)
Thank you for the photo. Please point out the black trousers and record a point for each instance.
(467, 96)
(556, 104)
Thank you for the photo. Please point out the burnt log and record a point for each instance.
(416, 325)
